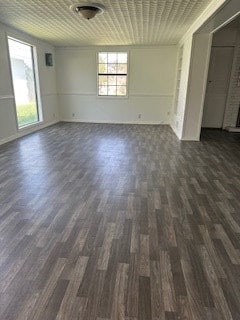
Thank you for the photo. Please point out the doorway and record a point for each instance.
(217, 86)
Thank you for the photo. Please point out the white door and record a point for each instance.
(217, 86)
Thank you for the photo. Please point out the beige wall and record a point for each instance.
(197, 55)
(47, 79)
(150, 85)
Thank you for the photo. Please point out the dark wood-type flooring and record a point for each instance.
(119, 222)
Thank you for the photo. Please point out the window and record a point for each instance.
(112, 73)
(24, 82)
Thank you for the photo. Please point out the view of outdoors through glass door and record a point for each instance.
(22, 65)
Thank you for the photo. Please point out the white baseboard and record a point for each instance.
(27, 131)
(233, 129)
(175, 131)
(113, 121)
(194, 139)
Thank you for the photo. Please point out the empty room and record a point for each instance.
(120, 160)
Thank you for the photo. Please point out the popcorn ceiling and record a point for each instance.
(125, 22)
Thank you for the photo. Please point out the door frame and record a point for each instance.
(228, 88)
(192, 118)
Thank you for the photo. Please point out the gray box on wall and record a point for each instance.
(49, 59)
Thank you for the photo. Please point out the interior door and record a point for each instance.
(217, 86)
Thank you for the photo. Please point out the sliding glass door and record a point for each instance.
(24, 82)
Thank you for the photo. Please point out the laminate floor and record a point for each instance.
(119, 222)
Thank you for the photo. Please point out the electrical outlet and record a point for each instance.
(139, 116)
(54, 115)
(73, 115)
(177, 124)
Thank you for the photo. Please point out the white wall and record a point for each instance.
(192, 86)
(186, 122)
(150, 93)
(177, 118)
(210, 20)
(48, 91)
(151, 81)
(197, 85)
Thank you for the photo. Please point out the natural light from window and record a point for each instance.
(23, 75)
(112, 73)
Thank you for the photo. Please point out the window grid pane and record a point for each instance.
(103, 90)
(112, 90)
(112, 73)
(122, 80)
(121, 90)
(112, 68)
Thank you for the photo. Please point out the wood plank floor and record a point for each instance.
(119, 222)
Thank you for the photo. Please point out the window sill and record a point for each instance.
(29, 126)
(113, 97)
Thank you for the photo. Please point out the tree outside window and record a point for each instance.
(112, 73)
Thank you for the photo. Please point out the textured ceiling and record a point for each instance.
(125, 22)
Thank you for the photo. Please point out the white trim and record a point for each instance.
(204, 88)
(11, 78)
(205, 77)
(128, 71)
(130, 95)
(36, 78)
(151, 95)
(49, 94)
(233, 129)
(235, 16)
(112, 121)
(78, 94)
(113, 97)
(19, 40)
(36, 82)
(113, 48)
(175, 131)
(196, 139)
(204, 16)
(29, 126)
(25, 131)
(6, 97)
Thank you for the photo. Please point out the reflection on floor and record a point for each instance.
(119, 222)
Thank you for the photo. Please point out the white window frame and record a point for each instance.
(36, 79)
(127, 75)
